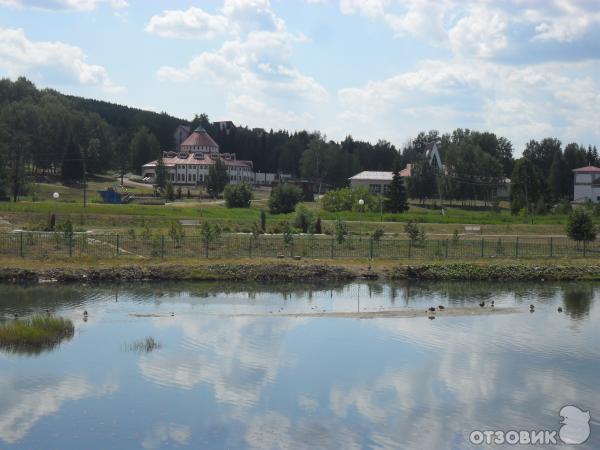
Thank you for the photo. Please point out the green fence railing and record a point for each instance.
(44, 245)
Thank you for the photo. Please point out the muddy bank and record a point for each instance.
(497, 271)
(216, 272)
(267, 271)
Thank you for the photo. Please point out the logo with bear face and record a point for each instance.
(576, 425)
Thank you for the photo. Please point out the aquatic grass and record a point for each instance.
(145, 345)
(35, 334)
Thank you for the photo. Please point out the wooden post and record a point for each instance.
(517, 247)
(446, 248)
(70, 244)
(482, 241)
(332, 242)
(162, 246)
(409, 248)
(21, 245)
(584, 248)
(250, 247)
(117, 244)
(371, 248)
(551, 248)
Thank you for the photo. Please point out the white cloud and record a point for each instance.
(519, 102)
(481, 33)
(19, 56)
(237, 17)
(76, 5)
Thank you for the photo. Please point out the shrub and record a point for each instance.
(284, 198)
(341, 230)
(304, 220)
(580, 226)
(412, 229)
(176, 233)
(238, 195)
(263, 221)
(179, 193)
(346, 199)
(318, 228)
(170, 192)
(377, 234)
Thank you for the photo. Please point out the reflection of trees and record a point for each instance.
(577, 301)
(30, 298)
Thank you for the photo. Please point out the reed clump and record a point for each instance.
(35, 334)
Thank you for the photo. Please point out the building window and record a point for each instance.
(375, 188)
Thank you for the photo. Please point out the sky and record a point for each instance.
(373, 69)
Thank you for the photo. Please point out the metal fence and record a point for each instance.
(43, 245)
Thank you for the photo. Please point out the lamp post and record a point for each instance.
(361, 205)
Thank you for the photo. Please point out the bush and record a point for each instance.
(263, 221)
(176, 233)
(238, 195)
(284, 198)
(341, 230)
(580, 226)
(412, 229)
(170, 192)
(318, 228)
(304, 220)
(347, 200)
(377, 234)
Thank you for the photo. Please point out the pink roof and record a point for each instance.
(200, 138)
(587, 169)
(207, 161)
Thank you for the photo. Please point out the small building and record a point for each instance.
(268, 178)
(182, 132)
(376, 182)
(586, 184)
(224, 126)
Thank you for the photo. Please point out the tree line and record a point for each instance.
(43, 132)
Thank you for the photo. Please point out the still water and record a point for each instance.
(246, 366)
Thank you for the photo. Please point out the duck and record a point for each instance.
(431, 317)
(16, 316)
(492, 304)
(431, 308)
(172, 314)
(85, 313)
(531, 308)
(482, 304)
(560, 309)
(441, 307)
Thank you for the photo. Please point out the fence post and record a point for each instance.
(332, 242)
(117, 244)
(517, 247)
(70, 244)
(371, 248)
(250, 247)
(292, 248)
(551, 248)
(162, 245)
(482, 243)
(21, 245)
(584, 248)
(206, 248)
(446, 248)
(409, 248)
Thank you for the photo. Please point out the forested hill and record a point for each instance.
(127, 119)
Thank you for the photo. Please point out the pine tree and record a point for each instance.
(161, 173)
(396, 195)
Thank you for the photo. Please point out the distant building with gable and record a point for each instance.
(586, 184)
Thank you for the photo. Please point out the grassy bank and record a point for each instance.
(17, 270)
(34, 334)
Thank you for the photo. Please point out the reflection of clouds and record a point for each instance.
(307, 403)
(507, 369)
(23, 404)
(162, 434)
(275, 431)
(238, 356)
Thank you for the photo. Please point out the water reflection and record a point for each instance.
(232, 372)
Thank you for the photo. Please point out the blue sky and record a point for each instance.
(370, 68)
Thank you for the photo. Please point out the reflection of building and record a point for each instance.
(225, 126)
(191, 163)
(433, 155)
(586, 184)
(377, 182)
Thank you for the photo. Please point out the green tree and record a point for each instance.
(217, 178)
(580, 226)
(144, 147)
(263, 221)
(170, 191)
(559, 181)
(72, 165)
(238, 195)
(284, 198)
(161, 173)
(526, 187)
(396, 195)
(304, 219)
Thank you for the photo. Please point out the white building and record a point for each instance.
(376, 182)
(190, 165)
(586, 184)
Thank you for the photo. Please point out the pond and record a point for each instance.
(339, 366)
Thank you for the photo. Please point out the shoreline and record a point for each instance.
(21, 271)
